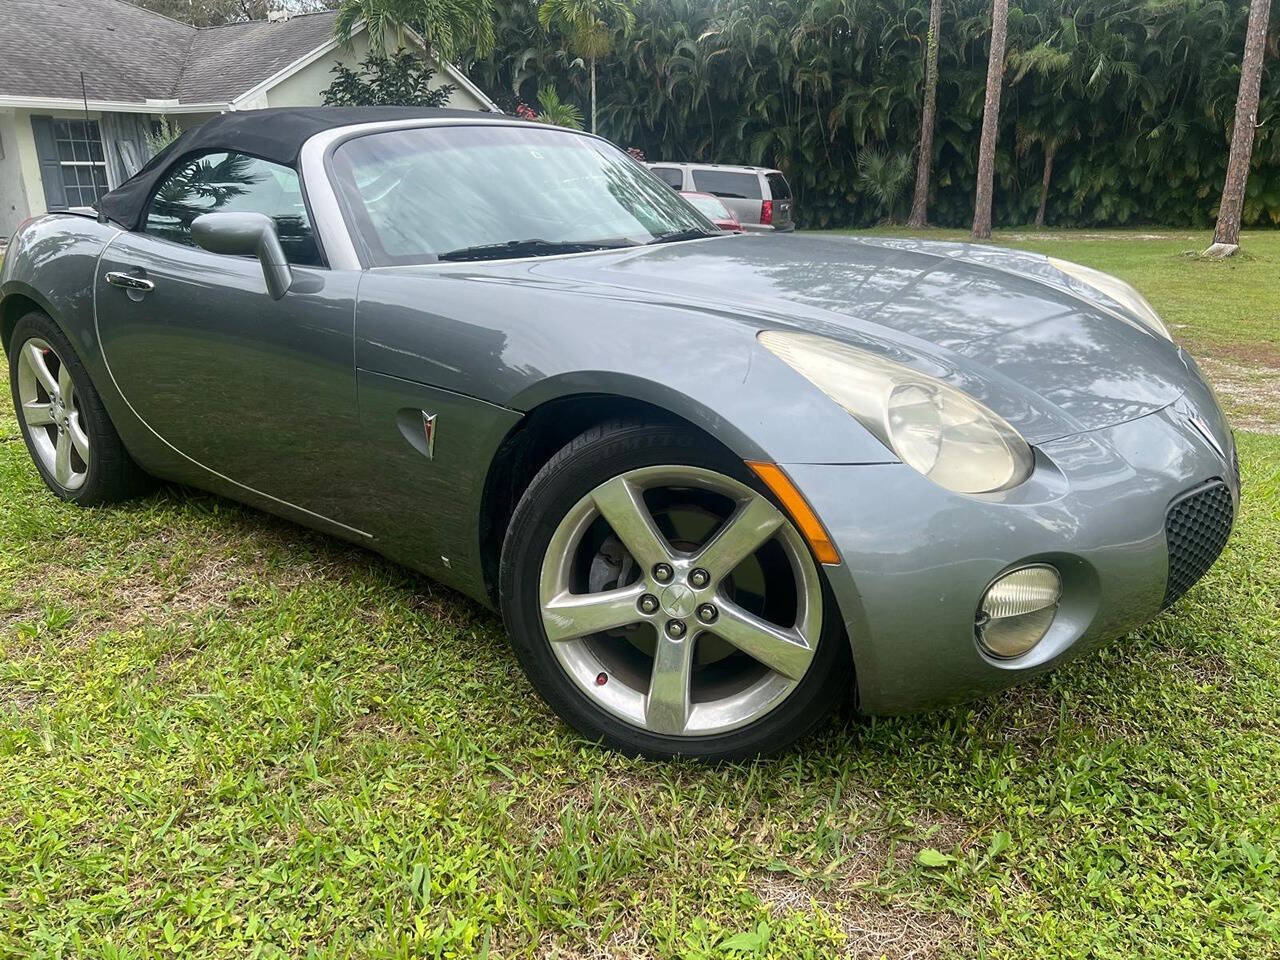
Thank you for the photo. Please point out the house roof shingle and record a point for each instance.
(132, 55)
(227, 61)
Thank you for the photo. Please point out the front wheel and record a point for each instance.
(662, 603)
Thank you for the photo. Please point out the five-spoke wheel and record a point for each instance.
(68, 433)
(662, 602)
(47, 403)
(717, 659)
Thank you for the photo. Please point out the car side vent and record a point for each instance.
(1196, 527)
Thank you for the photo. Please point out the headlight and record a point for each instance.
(1115, 289)
(933, 427)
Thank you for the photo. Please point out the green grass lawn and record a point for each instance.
(222, 735)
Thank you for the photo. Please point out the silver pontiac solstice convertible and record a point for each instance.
(715, 483)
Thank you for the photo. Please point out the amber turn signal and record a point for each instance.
(798, 507)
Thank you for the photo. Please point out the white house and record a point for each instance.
(138, 66)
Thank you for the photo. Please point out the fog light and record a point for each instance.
(1018, 610)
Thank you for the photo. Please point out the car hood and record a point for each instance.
(1039, 349)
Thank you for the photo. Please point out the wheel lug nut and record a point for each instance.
(648, 603)
(662, 572)
(699, 577)
(707, 613)
(675, 629)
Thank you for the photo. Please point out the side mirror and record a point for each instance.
(246, 235)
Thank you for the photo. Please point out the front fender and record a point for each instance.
(519, 344)
(768, 413)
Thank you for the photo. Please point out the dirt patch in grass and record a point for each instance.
(175, 583)
(1249, 389)
(1077, 236)
(15, 698)
(1265, 356)
(874, 927)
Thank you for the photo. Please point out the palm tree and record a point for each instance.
(590, 26)
(1048, 115)
(990, 121)
(1051, 140)
(924, 164)
(557, 112)
(1226, 236)
(447, 27)
(883, 176)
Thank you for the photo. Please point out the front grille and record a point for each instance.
(1197, 527)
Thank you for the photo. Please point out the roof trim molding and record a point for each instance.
(455, 75)
(465, 82)
(157, 107)
(285, 72)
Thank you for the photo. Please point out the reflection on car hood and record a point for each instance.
(1002, 324)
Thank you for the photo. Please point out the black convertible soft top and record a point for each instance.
(276, 135)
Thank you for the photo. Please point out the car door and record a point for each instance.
(260, 391)
(739, 189)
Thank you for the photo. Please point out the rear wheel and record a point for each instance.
(68, 434)
(662, 603)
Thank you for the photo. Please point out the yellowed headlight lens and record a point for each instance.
(934, 428)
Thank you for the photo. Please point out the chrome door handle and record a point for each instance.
(130, 282)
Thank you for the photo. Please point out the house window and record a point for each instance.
(84, 168)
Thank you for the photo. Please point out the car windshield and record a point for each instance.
(483, 191)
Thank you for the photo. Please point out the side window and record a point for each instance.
(233, 183)
(724, 183)
(672, 176)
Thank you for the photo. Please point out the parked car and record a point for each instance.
(759, 197)
(713, 209)
(714, 485)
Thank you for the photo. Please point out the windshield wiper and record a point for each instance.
(689, 233)
(533, 247)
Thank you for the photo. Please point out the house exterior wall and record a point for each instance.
(14, 206)
(29, 159)
(305, 88)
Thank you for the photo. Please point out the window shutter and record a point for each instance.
(55, 193)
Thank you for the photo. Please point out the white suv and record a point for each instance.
(759, 197)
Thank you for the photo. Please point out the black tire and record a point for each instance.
(598, 455)
(111, 474)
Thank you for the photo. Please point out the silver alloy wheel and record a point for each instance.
(48, 404)
(671, 700)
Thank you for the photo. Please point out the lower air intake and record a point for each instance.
(1197, 527)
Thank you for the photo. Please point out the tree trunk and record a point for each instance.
(1226, 236)
(990, 121)
(1049, 152)
(924, 165)
(593, 94)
